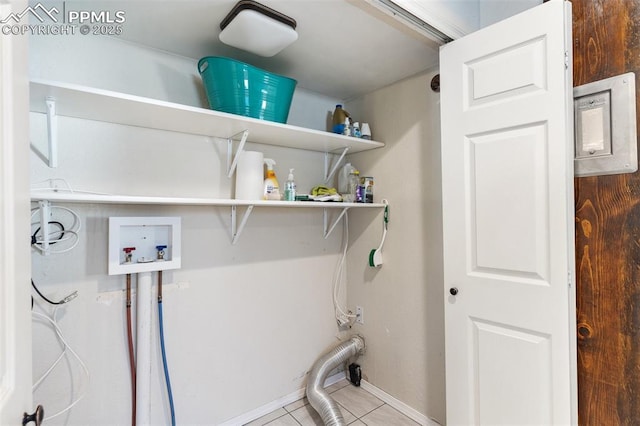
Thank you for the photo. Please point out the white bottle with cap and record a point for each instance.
(347, 126)
(356, 130)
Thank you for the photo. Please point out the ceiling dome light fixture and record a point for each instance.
(258, 29)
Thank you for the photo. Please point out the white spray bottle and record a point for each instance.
(271, 186)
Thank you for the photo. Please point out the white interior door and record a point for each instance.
(15, 269)
(507, 133)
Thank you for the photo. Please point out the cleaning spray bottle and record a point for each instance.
(290, 187)
(271, 187)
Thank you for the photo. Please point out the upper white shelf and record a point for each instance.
(102, 105)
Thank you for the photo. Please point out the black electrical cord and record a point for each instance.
(59, 302)
(34, 239)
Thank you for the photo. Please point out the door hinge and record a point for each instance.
(566, 59)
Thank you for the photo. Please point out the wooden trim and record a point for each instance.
(607, 218)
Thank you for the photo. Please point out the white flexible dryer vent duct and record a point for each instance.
(317, 396)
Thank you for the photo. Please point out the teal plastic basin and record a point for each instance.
(239, 88)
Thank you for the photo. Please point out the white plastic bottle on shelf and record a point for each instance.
(343, 178)
(347, 126)
(365, 131)
(354, 182)
(356, 130)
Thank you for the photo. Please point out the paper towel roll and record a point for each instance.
(250, 176)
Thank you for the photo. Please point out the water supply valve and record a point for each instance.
(128, 254)
(161, 252)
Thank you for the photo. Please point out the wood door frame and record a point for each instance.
(607, 218)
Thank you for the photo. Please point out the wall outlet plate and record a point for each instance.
(145, 234)
(359, 315)
(605, 126)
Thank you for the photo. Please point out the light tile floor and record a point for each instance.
(359, 408)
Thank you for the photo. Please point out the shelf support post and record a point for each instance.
(327, 160)
(45, 214)
(236, 229)
(328, 231)
(52, 131)
(233, 162)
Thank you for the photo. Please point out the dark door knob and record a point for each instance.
(35, 417)
(453, 291)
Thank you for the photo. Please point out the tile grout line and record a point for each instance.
(294, 419)
(279, 417)
(347, 410)
(366, 414)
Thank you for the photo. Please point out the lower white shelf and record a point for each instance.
(80, 197)
(236, 228)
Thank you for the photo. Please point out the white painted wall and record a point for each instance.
(244, 323)
(403, 300)
(492, 11)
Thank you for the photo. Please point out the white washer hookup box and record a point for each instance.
(143, 244)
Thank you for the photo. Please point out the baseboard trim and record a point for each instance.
(412, 413)
(278, 403)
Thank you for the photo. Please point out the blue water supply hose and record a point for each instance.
(164, 354)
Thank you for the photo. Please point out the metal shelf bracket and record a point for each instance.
(327, 163)
(45, 217)
(236, 229)
(329, 229)
(232, 160)
(52, 132)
